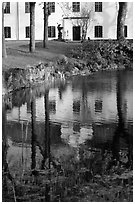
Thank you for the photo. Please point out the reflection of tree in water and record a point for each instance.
(45, 151)
(121, 131)
(47, 161)
(47, 132)
(33, 135)
(61, 90)
(6, 175)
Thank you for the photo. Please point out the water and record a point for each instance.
(49, 129)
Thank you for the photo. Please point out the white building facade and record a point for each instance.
(99, 19)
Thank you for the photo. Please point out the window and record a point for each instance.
(98, 31)
(27, 7)
(98, 6)
(76, 6)
(27, 31)
(52, 7)
(51, 32)
(7, 31)
(76, 107)
(52, 106)
(98, 106)
(125, 31)
(7, 8)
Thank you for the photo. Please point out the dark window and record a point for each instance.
(28, 107)
(76, 6)
(98, 106)
(52, 106)
(125, 31)
(27, 7)
(52, 7)
(51, 32)
(7, 31)
(98, 31)
(27, 31)
(7, 8)
(76, 127)
(98, 6)
(76, 107)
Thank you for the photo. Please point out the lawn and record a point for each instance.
(19, 55)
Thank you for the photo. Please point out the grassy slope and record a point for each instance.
(19, 56)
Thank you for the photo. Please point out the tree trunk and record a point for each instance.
(121, 20)
(33, 135)
(45, 39)
(32, 27)
(4, 53)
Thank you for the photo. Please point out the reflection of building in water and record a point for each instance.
(75, 134)
(76, 107)
(18, 131)
(98, 106)
(76, 127)
(79, 109)
(52, 106)
(28, 107)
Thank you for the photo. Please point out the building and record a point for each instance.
(100, 18)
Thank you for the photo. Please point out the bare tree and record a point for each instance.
(46, 14)
(4, 53)
(82, 18)
(122, 12)
(32, 27)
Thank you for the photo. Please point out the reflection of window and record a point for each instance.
(76, 127)
(51, 32)
(98, 31)
(52, 7)
(76, 6)
(27, 7)
(28, 107)
(98, 106)
(52, 106)
(98, 6)
(7, 31)
(27, 32)
(76, 106)
(125, 31)
(7, 8)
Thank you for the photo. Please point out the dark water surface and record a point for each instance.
(49, 130)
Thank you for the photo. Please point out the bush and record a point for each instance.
(105, 53)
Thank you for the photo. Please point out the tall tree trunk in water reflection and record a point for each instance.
(121, 130)
(5, 169)
(47, 143)
(120, 126)
(33, 136)
(4, 146)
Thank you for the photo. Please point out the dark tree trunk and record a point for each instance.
(33, 136)
(121, 20)
(32, 27)
(4, 53)
(45, 39)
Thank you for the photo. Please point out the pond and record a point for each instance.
(65, 132)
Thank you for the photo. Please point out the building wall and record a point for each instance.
(18, 20)
(10, 20)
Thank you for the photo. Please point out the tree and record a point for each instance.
(45, 36)
(4, 53)
(82, 18)
(47, 12)
(32, 26)
(121, 19)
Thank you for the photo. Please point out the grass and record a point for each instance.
(19, 55)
